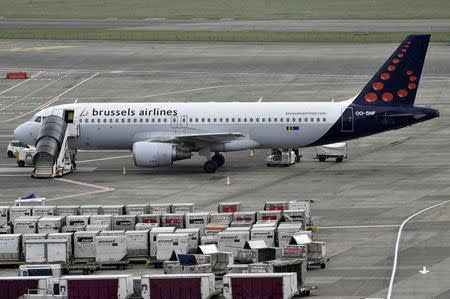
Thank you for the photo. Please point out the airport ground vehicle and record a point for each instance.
(281, 157)
(25, 156)
(334, 150)
(15, 145)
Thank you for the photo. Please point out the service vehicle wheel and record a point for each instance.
(10, 154)
(219, 159)
(85, 271)
(210, 166)
(322, 159)
(322, 266)
(21, 163)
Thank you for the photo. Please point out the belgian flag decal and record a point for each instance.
(292, 128)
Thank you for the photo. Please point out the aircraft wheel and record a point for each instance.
(10, 154)
(210, 166)
(219, 159)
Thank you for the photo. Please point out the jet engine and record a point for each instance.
(156, 154)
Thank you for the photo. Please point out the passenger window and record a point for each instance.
(287, 119)
(98, 120)
(196, 120)
(190, 120)
(146, 120)
(141, 120)
(135, 120)
(318, 119)
(215, 119)
(105, 120)
(209, 120)
(269, 119)
(312, 119)
(245, 120)
(117, 120)
(324, 119)
(239, 120)
(263, 119)
(159, 120)
(203, 120)
(306, 120)
(123, 120)
(221, 120)
(92, 120)
(251, 120)
(110, 120)
(129, 120)
(165, 120)
(226, 119)
(153, 120)
(275, 120)
(281, 119)
(232, 120)
(300, 119)
(257, 119)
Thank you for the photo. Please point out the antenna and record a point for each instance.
(260, 99)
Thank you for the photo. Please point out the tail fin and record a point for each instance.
(396, 82)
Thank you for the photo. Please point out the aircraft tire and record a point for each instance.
(219, 159)
(210, 166)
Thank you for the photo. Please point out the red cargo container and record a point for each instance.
(93, 287)
(14, 287)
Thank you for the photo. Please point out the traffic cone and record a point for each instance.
(251, 153)
(228, 183)
(124, 172)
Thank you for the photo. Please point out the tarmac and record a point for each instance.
(359, 204)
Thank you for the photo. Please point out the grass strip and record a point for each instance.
(216, 36)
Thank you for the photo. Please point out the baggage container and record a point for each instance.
(43, 251)
(159, 208)
(118, 286)
(112, 233)
(260, 268)
(110, 249)
(67, 210)
(90, 209)
(286, 230)
(137, 209)
(194, 237)
(276, 205)
(268, 216)
(94, 227)
(232, 241)
(25, 224)
(77, 220)
(304, 205)
(211, 239)
(154, 219)
(16, 212)
(83, 244)
(32, 236)
(265, 224)
(258, 285)
(295, 216)
(316, 254)
(168, 243)
(145, 226)
(44, 210)
(183, 208)
(51, 224)
(239, 229)
(229, 207)
(221, 218)
(219, 260)
(153, 234)
(17, 286)
(113, 209)
(238, 268)
(10, 247)
(257, 251)
(173, 219)
(267, 234)
(197, 220)
(4, 215)
(72, 229)
(5, 229)
(243, 219)
(104, 220)
(295, 251)
(291, 265)
(138, 243)
(63, 236)
(30, 201)
(198, 286)
(53, 270)
(123, 222)
(214, 229)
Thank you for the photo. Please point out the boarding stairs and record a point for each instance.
(53, 157)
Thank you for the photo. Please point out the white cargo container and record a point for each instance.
(211, 239)
(153, 233)
(25, 224)
(248, 285)
(197, 220)
(168, 243)
(112, 233)
(214, 229)
(295, 216)
(286, 230)
(44, 210)
(72, 229)
(16, 286)
(118, 286)
(83, 244)
(153, 219)
(276, 205)
(264, 233)
(145, 226)
(221, 218)
(47, 251)
(94, 227)
(159, 208)
(243, 219)
(268, 216)
(104, 220)
(110, 249)
(51, 224)
(231, 241)
(201, 286)
(63, 236)
(265, 224)
(4, 215)
(90, 209)
(37, 201)
(10, 247)
(239, 229)
(32, 236)
(301, 204)
(113, 209)
(173, 219)
(138, 243)
(5, 229)
(53, 270)
(16, 212)
(194, 237)
(67, 210)
(124, 222)
(137, 209)
(77, 220)
(229, 207)
(183, 208)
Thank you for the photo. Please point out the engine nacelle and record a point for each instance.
(156, 154)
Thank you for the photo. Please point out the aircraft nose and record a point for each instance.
(26, 133)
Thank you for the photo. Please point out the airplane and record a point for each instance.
(160, 133)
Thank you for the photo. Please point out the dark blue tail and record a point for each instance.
(396, 82)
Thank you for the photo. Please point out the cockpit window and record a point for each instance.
(37, 119)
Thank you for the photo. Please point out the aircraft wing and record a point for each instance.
(199, 138)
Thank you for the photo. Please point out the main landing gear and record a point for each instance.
(216, 161)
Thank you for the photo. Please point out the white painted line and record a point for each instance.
(19, 100)
(9, 175)
(102, 189)
(31, 78)
(397, 243)
(73, 87)
(102, 159)
(359, 226)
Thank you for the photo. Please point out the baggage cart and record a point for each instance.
(25, 156)
(5, 229)
(137, 209)
(68, 210)
(83, 245)
(77, 220)
(138, 243)
(103, 220)
(166, 244)
(153, 219)
(268, 216)
(336, 151)
(197, 220)
(173, 219)
(113, 209)
(183, 208)
(267, 234)
(231, 241)
(221, 218)
(19, 211)
(316, 254)
(25, 224)
(159, 208)
(276, 205)
(44, 251)
(111, 251)
(194, 237)
(51, 224)
(281, 157)
(44, 210)
(243, 219)
(229, 207)
(10, 248)
(154, 233)
(63, 236)
(124, 222)
(31, 236)
(17, 286)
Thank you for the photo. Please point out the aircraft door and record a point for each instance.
(179, 122)
(347, 120)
